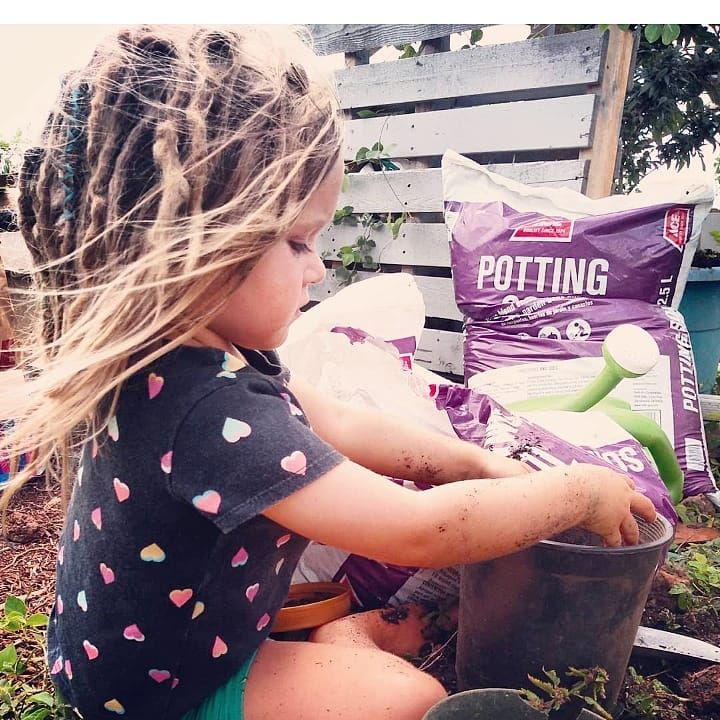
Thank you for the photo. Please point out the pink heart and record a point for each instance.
(166, 462)
(175, 683)
(96, 517)
(280, 563)
(133, 632)
(159, 675)
(219, 647)
(61, 554)
(252, 591)
(262, 622)
(180, 597)
(155, 385)
(295, 463)
(122, 491)
(57, 666)
(240, 557)
(208, 502)
(282, 540)
(107, 573)
(91, 651)
(76, 530)
(68, 669)
(59, 605)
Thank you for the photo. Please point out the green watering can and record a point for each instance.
(629, 352)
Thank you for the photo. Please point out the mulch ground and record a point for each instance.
(28, 546)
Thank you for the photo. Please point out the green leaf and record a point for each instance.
(37, 620)
(408, 51)
(361, 153)
(8, 656)
(42, 698)
(670, 33)
(378, 146)
(653, 32)
(13, 622)
(396, 226)
(37, 714)
(14, 604)
(476, 36)
(603, 28)
(365, 114)
(348, 259)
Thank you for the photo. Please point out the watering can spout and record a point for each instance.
(629, 352)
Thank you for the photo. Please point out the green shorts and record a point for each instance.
(226, 703)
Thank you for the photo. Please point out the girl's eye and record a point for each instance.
(298, 247)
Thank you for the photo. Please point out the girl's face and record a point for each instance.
(259, 313)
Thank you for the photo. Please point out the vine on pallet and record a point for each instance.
(359, 254)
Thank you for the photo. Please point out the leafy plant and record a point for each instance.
(376, 157)
(647, 698)
(702, 589)
(25, 692)
(589, 688)
(358, 254)
(672, 109)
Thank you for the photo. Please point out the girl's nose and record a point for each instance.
(316, 270)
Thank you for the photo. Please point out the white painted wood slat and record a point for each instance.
(565, 61)
(329, 39)
(553, 123)
(416, 243)
(441, 351)
(421, 190)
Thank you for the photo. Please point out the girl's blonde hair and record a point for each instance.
(169, 165)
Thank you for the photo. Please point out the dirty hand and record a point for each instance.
(612, 502)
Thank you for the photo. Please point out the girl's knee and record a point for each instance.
(416, 693)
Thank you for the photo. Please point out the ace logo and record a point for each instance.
(677, 226)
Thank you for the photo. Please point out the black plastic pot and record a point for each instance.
(490, 704)
(556, 605)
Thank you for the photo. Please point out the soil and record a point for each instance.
(27, 568)
(706, 259)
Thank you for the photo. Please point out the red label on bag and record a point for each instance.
(676, 227)
(546, 229)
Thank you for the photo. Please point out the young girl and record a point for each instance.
(172, 213)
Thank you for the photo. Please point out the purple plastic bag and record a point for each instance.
(543, 278)
(477, 418)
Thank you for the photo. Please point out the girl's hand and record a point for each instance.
(612, 502)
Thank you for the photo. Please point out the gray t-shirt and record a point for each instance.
(168, 578)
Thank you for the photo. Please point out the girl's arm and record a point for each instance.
(389, 446)
(353, 509)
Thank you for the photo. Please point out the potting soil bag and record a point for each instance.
(543, 275)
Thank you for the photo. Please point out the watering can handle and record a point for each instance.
(649, 434)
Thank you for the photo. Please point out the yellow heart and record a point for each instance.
(152, 553)
(198, 610)
(115, 707)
